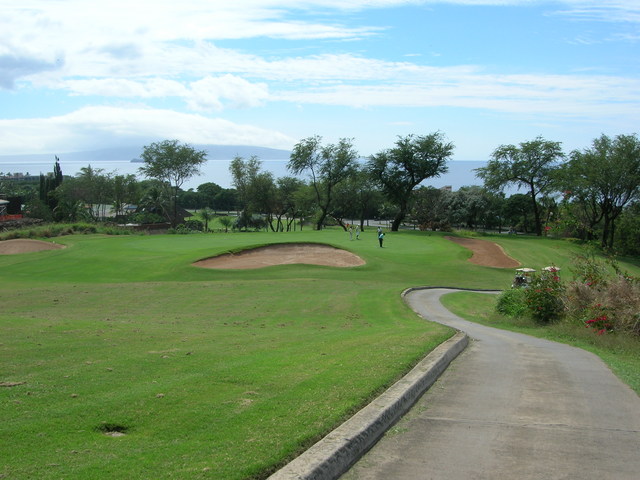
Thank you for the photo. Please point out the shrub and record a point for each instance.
(512, 303)
(195, 225)
(609, 305)
(544, 298)
(146, 217)
(588, 270)
(598, 319)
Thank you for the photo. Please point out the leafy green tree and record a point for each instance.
(285, 201)
(327, 167)
(208, 192)
(399, 170)
(357, 197)
(604, 179)
(126, 191)
(530, 165)
(91, 188)
(518, 213)
(263, 196)
(628, 231)
(155, 199)
(431, 208)
(227, 200)
(304, 205)
(467, 207)
(244, 173)
(191, 199)
(173, 163)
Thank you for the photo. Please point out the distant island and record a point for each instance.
(132, 154)
(227, 152)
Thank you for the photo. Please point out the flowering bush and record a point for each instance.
(599, 320)
(610, 306)
(589, 271)
(544, 298)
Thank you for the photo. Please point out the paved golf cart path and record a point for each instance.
(511, 406)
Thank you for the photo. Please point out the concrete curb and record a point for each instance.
(334, 454)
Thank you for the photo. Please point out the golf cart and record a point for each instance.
(551, 271)
(523, 277)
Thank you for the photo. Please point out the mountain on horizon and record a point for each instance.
(214, 152)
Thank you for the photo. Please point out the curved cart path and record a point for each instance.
(511, 406)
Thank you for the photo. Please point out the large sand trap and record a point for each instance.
(284, 254)
(485, 253)
(25, 245)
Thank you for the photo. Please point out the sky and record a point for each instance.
(88, 74)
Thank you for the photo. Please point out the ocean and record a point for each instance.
(217, 171)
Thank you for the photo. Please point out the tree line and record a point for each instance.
(591, 194)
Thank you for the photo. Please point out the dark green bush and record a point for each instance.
(512, 303)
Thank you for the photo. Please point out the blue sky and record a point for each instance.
(84, 74)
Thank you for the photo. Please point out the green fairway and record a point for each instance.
(200, 373)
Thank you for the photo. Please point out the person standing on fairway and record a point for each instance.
(381, 238)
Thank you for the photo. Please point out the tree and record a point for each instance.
(531, 165)
(285, 201)
(91, 188)
(208, 192)
(327, 167)
(154, 199)
(605, 178)
(431, 208)
(48, 184)
(244, 173)
(206, 214)
(173, 163)
(226, 222)
(357, 197)
(126, 191)
(517, 212)
(398, 171)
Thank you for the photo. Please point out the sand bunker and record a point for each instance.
(485, 253)
(25, 245)
(284, 254)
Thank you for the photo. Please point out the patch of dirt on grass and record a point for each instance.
(485, 253)
(283, 254)
(26, 245)
(11, 384)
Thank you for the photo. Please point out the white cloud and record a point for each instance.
(98, 127)
(555, 95)
(123, 88)
(206, 94)
(210, 93)
(163, 49)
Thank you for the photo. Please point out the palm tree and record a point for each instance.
(226, 222)
(207, 214)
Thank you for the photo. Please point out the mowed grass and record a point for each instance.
(208, 373)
